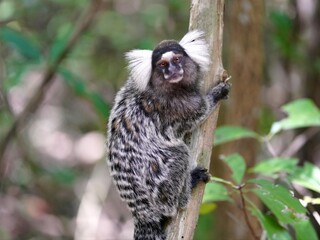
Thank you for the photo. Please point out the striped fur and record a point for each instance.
(147, 156)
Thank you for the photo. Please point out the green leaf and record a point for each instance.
(207, 208)
(237, 165)
(215, 192)
(60, 42)
(307, 176)
(271, 167)
(287, 210)
(73, 82)
(279, 200)
(22, 44)
(301, 113)
(304, 230)
(274, 230)
(229, 133)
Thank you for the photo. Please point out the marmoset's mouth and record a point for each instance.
(174, 78)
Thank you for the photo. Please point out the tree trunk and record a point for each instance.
(206, 15)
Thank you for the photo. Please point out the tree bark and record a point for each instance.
(206, 15)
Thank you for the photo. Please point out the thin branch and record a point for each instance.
(270, 147)
(243, 203)
(246, 217)
(82, 25)
(299, 141)
(220, 180)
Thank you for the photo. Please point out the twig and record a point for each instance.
(246, 217)
(243, 203)
(299, 141)
(270, 147)
(220, 180)
(82, 25)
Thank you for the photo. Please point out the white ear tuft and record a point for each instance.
(140, 67)
(197, 48)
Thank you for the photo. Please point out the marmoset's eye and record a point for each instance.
(177, 59)
(163, 64)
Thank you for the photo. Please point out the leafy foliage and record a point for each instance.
(215, 192)
(270, 224)
(271, 167)
(301, 113)
(230, 133)
(279, 200)
(33, 38)
(285, 208)
(238, 166)
(307, 176)
(22, 44)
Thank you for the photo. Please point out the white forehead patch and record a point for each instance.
(167, 56)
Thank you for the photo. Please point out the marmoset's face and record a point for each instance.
(171, 66)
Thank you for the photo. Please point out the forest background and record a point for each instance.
(54, 181)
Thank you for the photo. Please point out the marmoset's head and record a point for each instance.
(168, 61)
(171, 62)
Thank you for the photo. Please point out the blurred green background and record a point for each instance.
(55, 183)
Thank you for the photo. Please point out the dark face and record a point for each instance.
(170, 66)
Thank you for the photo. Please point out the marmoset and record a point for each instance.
(161, 101)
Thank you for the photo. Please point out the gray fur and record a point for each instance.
(148, 158)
